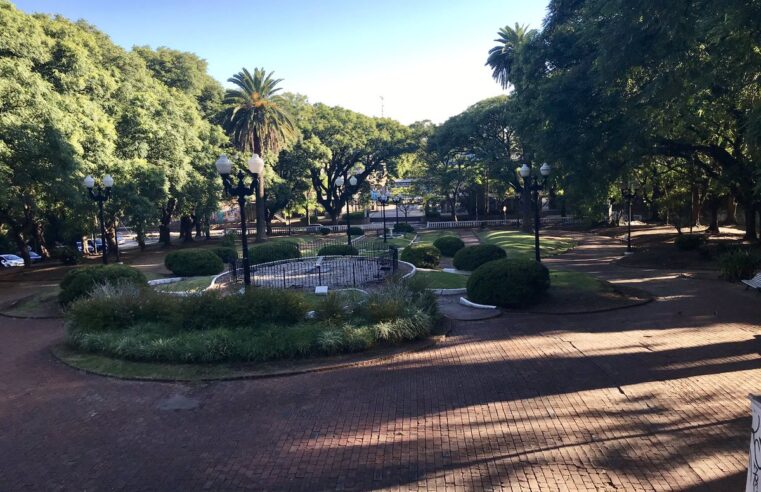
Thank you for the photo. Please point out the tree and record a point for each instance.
(256, 119)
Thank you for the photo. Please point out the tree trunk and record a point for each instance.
(186, 229)
(39, 240)
(261, 205)
(731, 211)
(196, 224)
(18, 237)
(713, 209)
(167, 211)
(749, 209)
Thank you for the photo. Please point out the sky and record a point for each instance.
(424, 58)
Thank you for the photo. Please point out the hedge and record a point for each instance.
(689, 242)
(514, 282)
(78, 283)
(325, 231)
(193, 262)
(273, 251)
(471, 257)
(226, 254)
(356, 231)
(67, 254)
(421, 256)
(338, 250)
(740, 264)
(449, 245)
(403, 227)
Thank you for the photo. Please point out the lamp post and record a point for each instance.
(241, 191)
(504, 214)
(347, 195)
(101, 196)
(628, 193)
(532, 184)
(397, 200)
(381, 197)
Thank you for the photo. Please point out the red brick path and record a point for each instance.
(648, 398)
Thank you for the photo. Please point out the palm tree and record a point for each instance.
(256, 119)
(503, 56)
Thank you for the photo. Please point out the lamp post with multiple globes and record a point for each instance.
(534, 185)
(100, 196)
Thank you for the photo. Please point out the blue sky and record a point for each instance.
(426, 58)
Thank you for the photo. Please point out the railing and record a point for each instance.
(544, 221)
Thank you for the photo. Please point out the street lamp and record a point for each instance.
(532, 184)
(101, 196)
(381, 197)
(397, 200)
(346, 195)
(241, 191)
(504, 214)
(628, 193)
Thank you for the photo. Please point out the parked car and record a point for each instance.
(92, 246)
(34, 256)
(8, 261)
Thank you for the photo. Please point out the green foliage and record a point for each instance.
(689, 242)
(325, 231)
(740, 264)
(449, 245)
(403, 228)
(263, 324)
(471, 257)
(273, 251)
(356, 216)
(67, 254)
(229, 240)
(421, 256)
(194, 262)
(356, 231)
(80, 282)
(509, 283)
(226, 254)
(337, 250)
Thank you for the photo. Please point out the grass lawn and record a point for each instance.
(574, 292)
(190, 284)
(436, 279)
(427, 238)
(521, 244)
(41, 304)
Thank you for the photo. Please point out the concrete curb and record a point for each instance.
(471, 304)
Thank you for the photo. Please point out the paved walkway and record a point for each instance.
(648, 398)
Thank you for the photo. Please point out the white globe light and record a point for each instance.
(89, 182)
(256, 164)
(339, 181)
(545, 169)
(224, 166)
(108, 181)
(353, 181)
(525, 171)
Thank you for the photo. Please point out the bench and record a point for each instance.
(755, 282)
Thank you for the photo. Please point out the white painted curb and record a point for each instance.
(468, 303)
(449, 292)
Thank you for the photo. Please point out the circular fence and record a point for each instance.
(313, 271)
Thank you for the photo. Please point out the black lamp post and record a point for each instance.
(532, 184)
(381, 198)
(241, 191)
(346, 196)
(101, 196)
(628, 193)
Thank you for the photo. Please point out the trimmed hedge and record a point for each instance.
(229, 240)
(422, 256)
(193, 262)
(449, 245)
(226, 254)
(356, 216)
(689, 242)
(356, 231)
(740, 264)
(509, 283)
(471, 257)
(403, 227)
(325, 231)
(80, 282)
(338, 250)
(273, 251)
(67, 254)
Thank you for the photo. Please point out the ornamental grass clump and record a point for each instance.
(80, 282)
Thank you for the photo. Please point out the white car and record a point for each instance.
(11, 261)
(34, 256)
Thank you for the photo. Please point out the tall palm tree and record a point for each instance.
(503, 56)
(256, 119)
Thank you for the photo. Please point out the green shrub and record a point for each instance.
(229, 240)
(403, 228)
(689, 242)
(356, 216)
(471, 257)
(421, 256)
(449, 245)
(338, 250)
(273, 251)
(356, 231)
(509, 283)
(325, 231)
(67, 254)
(193, 262)
(226, 254)
(80, 282)
(739, 264)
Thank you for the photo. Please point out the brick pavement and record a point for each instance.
(648, 398)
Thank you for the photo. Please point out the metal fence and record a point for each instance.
(544, 222)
